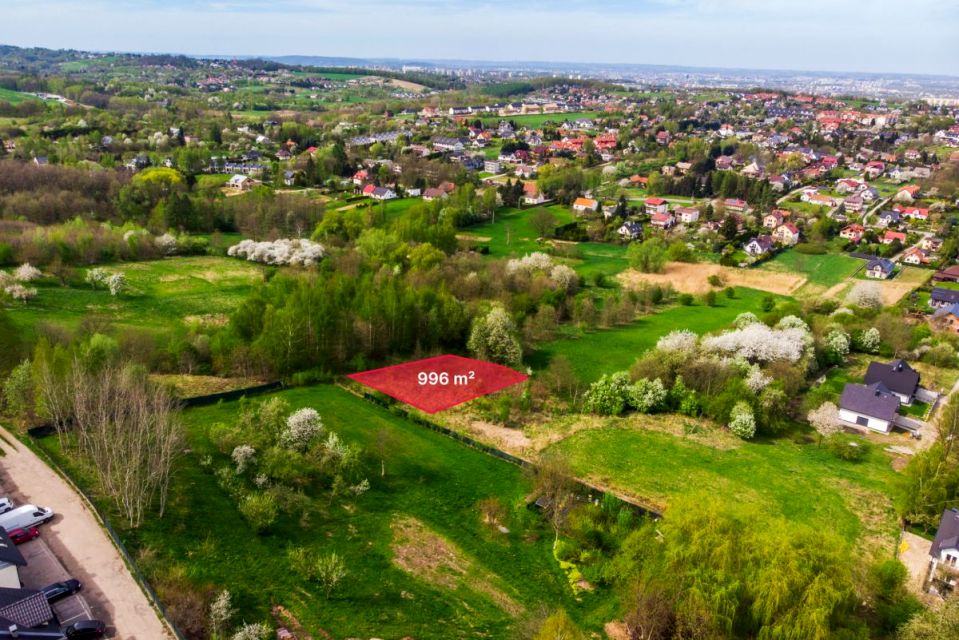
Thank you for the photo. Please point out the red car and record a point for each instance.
(19, 536)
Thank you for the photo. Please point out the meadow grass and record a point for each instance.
(413, 473)
(512, 234)
(823, 269)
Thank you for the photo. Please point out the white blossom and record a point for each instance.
(295, 252)
(745, 319)
(302, 427)
(19, 292)
(116, 283)
(26, 272)
(870, 340)
(837, 344)
(757, 380)
(166, 243)
(681, 341)
(97, 276)
(758, 343)
(792, 322)
(867, 295)
(564, 276)
(825, 419)
(536, 261)
(243, 456)
(255, 631)
(742, 422)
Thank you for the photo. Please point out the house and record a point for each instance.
(880, 268)
(759, 246)
(853, 232)
(779, 183)
(907, 194)
(687, 214)
(786, 234)
(913, 213)
(887, 218)
(891, 236)
(662, 220)
(821, 200)
(583, 205)
(289, 178)
(944, 552)
(931, 244)
(735, 204)
(524, 171)
(949, 274)
(492, 166)
(663, 137)
(941, 297)
(871, 406)
(853, 204)
(382, 193)
(724, 163)
(449, 144)
(897, 376)
(240, 182)
(946, 318)
(360, 177)
(656, 205)
(28, 611)
(772, 219)
(532, 194)
(630, 231)
(433, 193)
(915, 255)
(638, 180)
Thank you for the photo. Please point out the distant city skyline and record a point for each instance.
(806, 35)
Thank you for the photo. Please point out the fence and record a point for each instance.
(115, 538)
(235, 394)
(422, 421)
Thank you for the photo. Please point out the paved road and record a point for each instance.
(77, 539)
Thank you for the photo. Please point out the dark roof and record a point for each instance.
(898, 376)
(874, 401)
(882, 263)
(947, 537)
(945, 295)
(890, 215)
(9, 552)
(948, 310)
(26, 607)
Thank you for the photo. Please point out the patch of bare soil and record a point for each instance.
(616, 631)
(208, 319)
(430, 557)
(505, 438)
(694, 278)
(472, 237)
(188, 385)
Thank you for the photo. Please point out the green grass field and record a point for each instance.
(825, 269)
(597, 257)
(413, 472)
(160, 292)
(606, 351)
(512, 234)
(537, 120)
(801, 482)
(14, 97)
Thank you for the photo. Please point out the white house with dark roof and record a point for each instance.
(897, 377)
(944, 553)
(871, 406)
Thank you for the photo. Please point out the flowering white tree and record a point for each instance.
(564, 276)
(254, 631)
(221, 611)
(647, 395)
(243, 456)
(869, 340)
(745, 319)
(295, 252)
(19, 292)
(493, 337)
(741, 421)
(792, 322)
(97, 277)
(825, 420)
(26, 272)
(116, 283)
(166, 243)
(757, 380)
(836, 345)
(679, 341)
(609, 395)
(302, 427)
(536, 261)
(758, 343)
(867, 295)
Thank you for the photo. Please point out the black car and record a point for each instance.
(60, 590)
(85, 630)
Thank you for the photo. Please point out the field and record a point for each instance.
(537, 120)
(694, 278)
(160, 291)
(512, 234)
(606, 351)
(801, 482)
(407, 576)
(14, 97)
(826, 270)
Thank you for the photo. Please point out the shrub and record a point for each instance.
(714, 280)
(741, 421)
(647, 396)
(685, 299)
(609, 395)
(848, 447)
(260, 510)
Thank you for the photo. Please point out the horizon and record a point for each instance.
(731, 36)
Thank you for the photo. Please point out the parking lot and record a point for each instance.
(44, 568)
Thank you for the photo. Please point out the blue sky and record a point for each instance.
(910, 36)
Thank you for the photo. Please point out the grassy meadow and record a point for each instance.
(489, 579)
(826, 270)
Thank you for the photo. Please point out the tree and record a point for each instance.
(543, 222)
(825, 420)
(221, 612)
(559, 627)
(867, 295)
(330, 571)
(934, 624)
(17, 393)
(836, 346)
(742, 422)
(494, 337)
(554, 487)
(260, 510)
(648, 256)
(254, 631)
(609, 395)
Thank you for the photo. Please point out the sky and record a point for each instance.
(893, 36)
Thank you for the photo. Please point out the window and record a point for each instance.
(950, 560)
(862, 421)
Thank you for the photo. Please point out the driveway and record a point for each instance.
(78, 541)
(44, 568)
(914, 553)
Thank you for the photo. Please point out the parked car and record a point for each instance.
(60, 590)
(19, 536)
(6, 504)
(85, 630)
(28, 515)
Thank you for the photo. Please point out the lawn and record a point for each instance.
(414, 473)
(801, 482)
(15, 97)
(606, 351)
(597, 257)
(160, 292)
(512, 234)
(826, 270)
(537, 120)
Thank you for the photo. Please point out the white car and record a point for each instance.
(6, 504)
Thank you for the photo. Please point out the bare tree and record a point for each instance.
(555, 488)
(126, 425)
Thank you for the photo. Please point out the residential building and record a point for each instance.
(631, 231)
(663, 220)
(584, 205)
(871, 406)
(853, 232)
(891, 236)
(772, 219)
(915, 256)
(942, 297)
(735, 204)
(880, 268)
(687, 215)
(759, 246)
(897, 376)
(944, 553)
(786, 234)
(656, 205)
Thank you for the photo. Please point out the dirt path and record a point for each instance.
(78, 541)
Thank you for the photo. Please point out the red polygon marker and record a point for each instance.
(435, 384)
